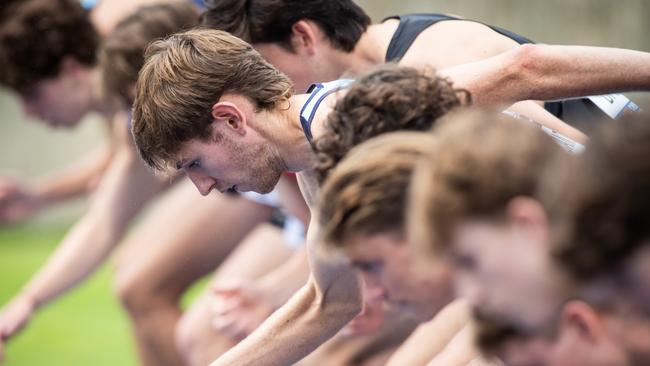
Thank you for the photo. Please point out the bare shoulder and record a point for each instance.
(454, 42)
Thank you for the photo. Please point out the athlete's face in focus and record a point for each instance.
(503, 269)
(230, 161)
(387, 264)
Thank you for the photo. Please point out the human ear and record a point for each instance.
(303, 37)
(582, 320)
(228, 115)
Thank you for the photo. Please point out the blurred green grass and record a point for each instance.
(85, 327)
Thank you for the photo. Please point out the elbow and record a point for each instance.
(343, 300)
(524, 68)
(526, 59)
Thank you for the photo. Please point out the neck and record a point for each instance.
(370, 50)
(288, 136)
(99, 100)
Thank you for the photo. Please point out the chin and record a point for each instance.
(264, 190)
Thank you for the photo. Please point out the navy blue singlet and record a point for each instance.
(573, 111)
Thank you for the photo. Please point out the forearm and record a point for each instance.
(123, 190)
(331, 298)
(541, 116)
(547, 72)
(292, 332)
(460, 351)
(73, 260)
(430, 338)
(75, 180)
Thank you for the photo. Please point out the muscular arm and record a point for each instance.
(547, 72)
(126, 185)
(430, 338)
(329, 300)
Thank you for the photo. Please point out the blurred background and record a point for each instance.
(91, 316)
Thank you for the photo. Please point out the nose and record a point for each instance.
(471, 290)
(203, 182)
(373, 290)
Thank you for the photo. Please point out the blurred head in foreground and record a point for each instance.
(476, 199)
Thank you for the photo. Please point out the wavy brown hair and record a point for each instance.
(183, 76)
(366, 193)
(602, 215)
(122, 53)
(37, 35)
(482, 160)
(390, 98)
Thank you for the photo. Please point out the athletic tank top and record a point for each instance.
(317, 93)
(576, 112)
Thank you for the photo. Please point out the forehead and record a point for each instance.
(374, 245)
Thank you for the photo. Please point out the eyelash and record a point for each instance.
(194, 164)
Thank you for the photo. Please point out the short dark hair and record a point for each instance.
(122, 53)
(603, 216)
(38, 35)
(270, 21)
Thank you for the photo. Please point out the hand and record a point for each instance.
(239, 309)
(17, 203)
(15, 316)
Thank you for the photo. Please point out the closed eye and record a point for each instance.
(194, 164)
(367, 266)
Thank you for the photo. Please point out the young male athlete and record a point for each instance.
(476, 198)
(60, 83)
(618, 250)
(362, 210)
(244, 132)
(316, 41)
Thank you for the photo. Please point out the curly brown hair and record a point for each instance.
(366, 193)
(122, 53)
(603, 215)
(390, 98)
(270, 21)
(37, 35)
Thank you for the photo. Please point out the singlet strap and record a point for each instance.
(317, 93)
(411, 25)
